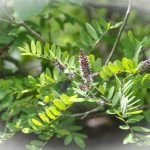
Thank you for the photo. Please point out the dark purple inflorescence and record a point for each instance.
(84, 67)
(144, 66)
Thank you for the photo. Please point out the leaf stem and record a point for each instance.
(120, 32)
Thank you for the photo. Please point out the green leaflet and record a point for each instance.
(91, 31)
(59, 104)
(43, 117)
(36, 122)
(34, 49)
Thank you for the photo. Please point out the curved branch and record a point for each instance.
(120, 32)
(31, 31)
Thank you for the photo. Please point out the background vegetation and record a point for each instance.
(49, 86)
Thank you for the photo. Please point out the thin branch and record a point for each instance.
(4, 20)
(131, 130)
(120, 32)
(31, 31)
(11, 19)
(84, 114)
(97, 42)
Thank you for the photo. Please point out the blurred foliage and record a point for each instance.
(41, 78)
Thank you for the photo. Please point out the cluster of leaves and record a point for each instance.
(127, 66)
(95, 32)
(121, 99)
(38, 112)
(42, 104)
(54, 54)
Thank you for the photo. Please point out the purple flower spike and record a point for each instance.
(84, 67)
